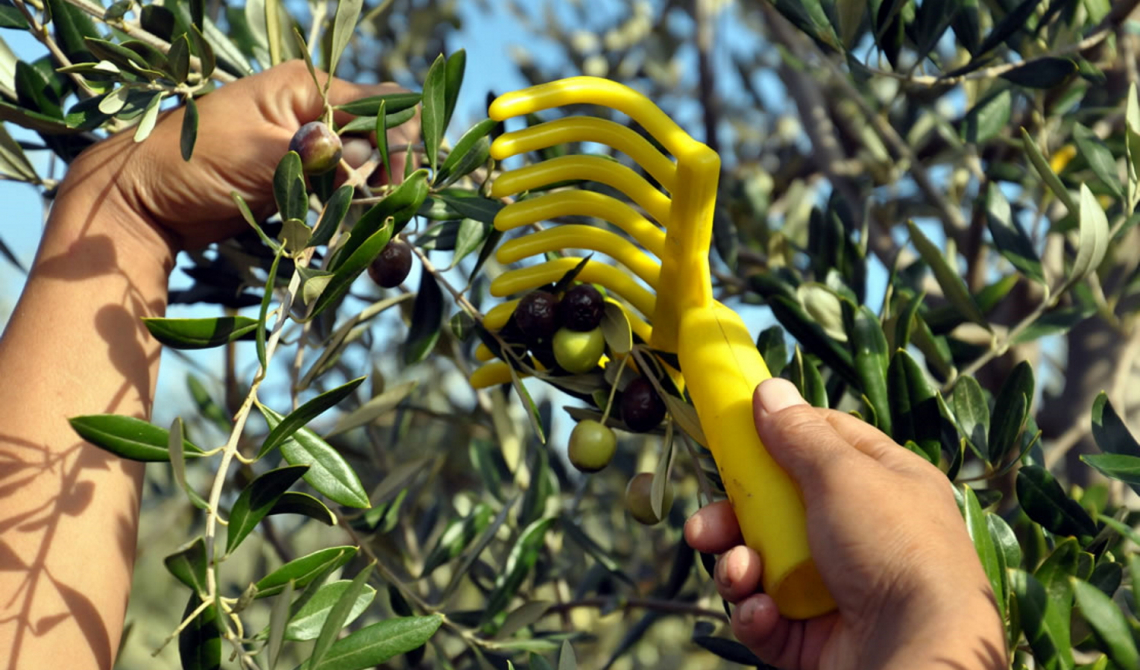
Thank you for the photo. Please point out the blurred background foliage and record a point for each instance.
(920, 168)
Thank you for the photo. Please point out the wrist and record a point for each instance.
(950, 628)
(95, 199)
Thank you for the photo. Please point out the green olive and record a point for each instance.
(577, 352)
(639, 499)
(592, 446)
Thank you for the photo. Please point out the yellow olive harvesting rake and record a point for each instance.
(718, 359)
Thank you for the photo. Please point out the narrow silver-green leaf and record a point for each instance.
(338, 615)
(306, 621)
(1099, 158)
(948, 278)
(306, 413)
(149, 118)
(979, 530)
(382, 139)
(1046, 172)
(454, 70)
(434, 111)
(295, 502)
(1009, 237)
(328, 472)
(200, 333)
(373, 409)
(379, 642)
(972, 412)
(128, 437)
(188, 565)
(189, 134)
(303, 570)
(347, 14)
(1092, 238)
(256, 500)
(174, 445)
(278, 619)
(1108, 624)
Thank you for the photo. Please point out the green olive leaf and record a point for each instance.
(200, 333)
(378, 643)
(128, 437)
(433, 119)
(301, 416)
(328, 472)
(188, 565)
(303, 570)
(256, 500)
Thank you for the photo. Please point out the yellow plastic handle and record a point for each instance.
(719, 361)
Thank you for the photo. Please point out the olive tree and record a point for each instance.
(927, 211)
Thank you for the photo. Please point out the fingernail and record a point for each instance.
(773, 395)
(747, 612)
(722, 577)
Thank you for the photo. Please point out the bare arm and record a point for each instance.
(75, 345)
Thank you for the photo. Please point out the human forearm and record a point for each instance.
(75, 345)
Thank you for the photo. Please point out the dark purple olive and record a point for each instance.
(319, 147)
(581, 308)
(641, 408)
(392, 266)
(537, 315)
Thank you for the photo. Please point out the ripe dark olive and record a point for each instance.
(641, 408)
(578, 353)
(592, 446)
(319, 147)
(392, 266)
(639, 499)
(537, 315)
(581, 308)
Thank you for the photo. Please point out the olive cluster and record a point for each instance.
(567, 333)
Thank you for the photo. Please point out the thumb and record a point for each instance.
(798, 436)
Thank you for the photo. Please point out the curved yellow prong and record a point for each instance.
(483, 353)
(492, 374)
(583, 203)
(591, 168)
(595, 91)
(524, 279)
(578, 236)
(499, 315)
(588, 129)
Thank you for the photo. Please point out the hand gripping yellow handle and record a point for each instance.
(719, 361)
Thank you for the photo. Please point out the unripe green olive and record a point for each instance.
(318, 146)
(639, 499)
(576, 352)
(592, 446)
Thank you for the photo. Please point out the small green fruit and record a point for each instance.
(318, 146)
(592, 446)
(639, 499)
(576, 352)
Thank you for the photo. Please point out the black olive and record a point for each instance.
(581, 308)
(641, 408)
(537, 315)
(392, 266)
